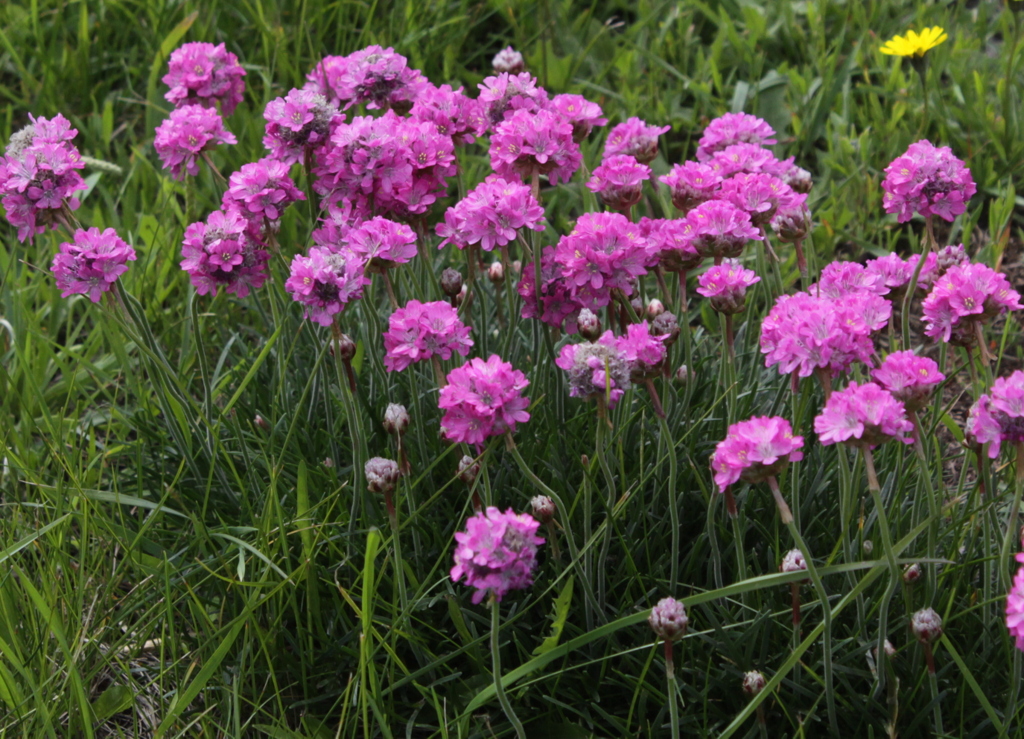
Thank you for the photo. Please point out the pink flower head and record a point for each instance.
(204, 74)
(324, 281)
(636, 139)
(691, 184)
(1015, 609)
(91, 264)
(182, 139)
(999, 416)
(839, 279)
(420, 331)
(862, 415)
(540, 142)
(984, 426)
(556, 307)
(497, 552)
(452, 112)
(503, 95)
(726, 285)
(604, 252)
(618, 181)
(671, 241)
(792, 221)
(580, 112)
(928, 180)
(221, 252)
(299, 122)
(759, 195)
(964, 295)
(746, 159)
(382, 244)
(720, 229)
(508, 60)
(948, 257)
(483, 399)
(644, 354)
(596, 369)
(755, 450)
(910, 378)
(260, 191)
(378, 77)
(896, 273)
(733, 128)
(491, 215)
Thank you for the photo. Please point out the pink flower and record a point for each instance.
(966, 294)
(755, 450)
(999, 416)
(528, 142)
(720, 229)
(839, 279)
(726, 285)
(491, 215)
(928, 180)
(618, 181)
(508, 60)
(634, 138)
(91, 264)
(643, 353)
(382, 244)
(671, 241)
(691, 184)
(668, 619)
(497, 552)
(324, 281)
(759, 195)
(556, 307)
(580, 112)
(910, 378)
(1015, 608)
(596, 369)
(984, 426)
(483, 399)
(747, 159)
(261, 190)
(420, 331)
(733, 128)
(221, 252)
(792, 221)
(862, 415)
(452, 112)
(895, 273)
(298, 122)
(378, 77)
(183, 138)
(203, 74)
(507, 93)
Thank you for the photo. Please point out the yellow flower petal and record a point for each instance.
(914, 44)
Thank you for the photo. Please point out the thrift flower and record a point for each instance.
(491, 215)
(580, 112)
(966, 295)
(508, 60)
(91, 264)
(914, 44)
(203, 74)
(720, 229)
(668, 619)
(382, 244)
(324, 281)
(556, 305)
(497, 552)
(378, 77)
(733, 128)
(862, 415)
(1015, 607)
(420, 331)
(618, 181)
(928, 180)
(190, 132)
(596, 369)
(726, 286)
(998, 416)
(839, 279)
(507, 93)
(691, 184)
(260, 191)
(643, 352)
(759, 195)
(910, 378)
(895, 273)
(534, 142)
(221, 252)
(634, 138)
(297, 123)
(747, 159)
(452, 112)
(672, 242)
(483, 399)
(755, 450)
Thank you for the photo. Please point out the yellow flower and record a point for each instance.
(914, 44)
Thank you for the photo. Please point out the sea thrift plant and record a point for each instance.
(862, 415)
(758, 195)
(962, 299)
(496, 553)
(508, 60)
(720, 229)
(691, 183)
(503, 95)
(1015, 606)
(668, 619)
(733, 128)
(998, 416)
(580, 112)
(643, 353)
(747, 159)
(382, 243)
(483, 399)
(528, 143)
(725, 285)
(452, 112)
(840, 279)
(374, 76)
(634, 138)
(203, 74)
(754, 450)
(324, 281)
(491, 215)
(555, 305)
(596, 369)
(222, 253)
(91, 263)
(895, 273)
(420, 331)
(260, 191)
(618, 181)
(911, 379)
(298, 123)
(187, 135)
(927, 180)
(672, 242)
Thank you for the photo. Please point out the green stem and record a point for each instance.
(673, 504)
(499, 689)
(670, 677)
(1011, 523)
(890, 556)
(601, 442)
(933, 685)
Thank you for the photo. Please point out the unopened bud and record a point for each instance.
(543, 508)
(496, 273)
(328, 462)
(468, 470)
(508, 60)
(868, 546)
(396, 419)
(261, 422)
(926, 625)
(667, 326)
(753, 683)
(798, 179)
(793, 562)
(346, 346)
(668, 619)
(655, 308)
(589, 324)
(683, 374)
(912, 573)
(890, 650)
(451, 282)
(381, 475)
(517, 267)
(637, 305)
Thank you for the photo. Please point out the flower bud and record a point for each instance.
(950, 256)
(655, 308)
(517, 267)
(926, 625)
(396, 419)
(451, 282)
(589, 325)
(868, 546)
(793, 562)
(890, 650)
(683, 375)
(666, 325)
(753, 683)
(381, 475)
(328, 462)
(799, 179)
(347, 347)
(461, 297)
(508, 60)
(468, 470)
(496, 273)
(668, 619)
(912, 573)
(261, 422)
(637, 304)
(543, 508)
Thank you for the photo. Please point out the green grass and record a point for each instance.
(169, 568)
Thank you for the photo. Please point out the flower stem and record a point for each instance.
(894, 570)
(673, 502)
(933, 685)
(499, 689)
(670, 677)
(1011, 523)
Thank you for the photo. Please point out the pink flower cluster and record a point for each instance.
(534, 142)
(580, 112)
(38, 175)
(452, 112)
(730, 129)
(618, 181)
(596, 369)
(483, 399)
(1015, 605)
(720, 229)
(221, 252)
(503, 95)
(508, 60)
(862, 415)
(496, 553)
(691, 184)
(491, 215)
(928, 180)
(378, 77)
(755, 450)
(298, 123)
(634, 138)
(203, 74)
(672, 241)
(966, 294)
(382, 243)
(91, 264)
(555, 306)
(420, 331)
(325, 280)
(187, 135)
(260, 191)
(726, 286)
(998, 416)
(643, 352)
(910, 378)
(895, 273)
(839, 279)
(759, 196)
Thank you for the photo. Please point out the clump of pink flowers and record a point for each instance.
(720, 229)
(452, 111)
(91, 263)
(966, 296)
(910, 378)
(483, 399)
(618, 181)
(378, 77)
(324, 281)
(635, 138)
(496, 553)
(998, 416)
(221, 252)
(725, 285)
(580, 112)
(382, 243)
(260, 191)
(596, 369)
(895, 273)
(555, 305)
(862, 415)
(759, 195)
(643, 352)
(928, 180)
(528, 143)
(1015, 606)
(203, 74)
(186, 136)
(503, 95)
(754, 450)
(420, 331)
(297, 124)
(491, 215)
(691, 184)
(733, 128)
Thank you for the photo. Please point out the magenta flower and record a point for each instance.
(580, 112)
(420, 331)
(260, 191)
(634, 138)
(221, 252)
(691, 184)
(910, 378)
(491, 215)
(759, 195)
(928, 180)
(791, 222)
(618, 181)
(895, 273)
(726, 286)
(733, 128)
(382, 244)
(948, 257)
(964, 296)
(755, 450)
(556, 306)
(862, 415)
(91, 264)
(503, 95)
(720, 229)
(378, 77)
(508, 60)
(300, 121)
(1015, 606)
(324, 281)
(672, 242)
(999, 416)
(204, 74)
(839, 279)
(497, 552)
(596, 370)
(483, 399)
(190, 132)
(983, 426)
(528, 142)
(452, 112)
(643, 353)
(747, 159)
